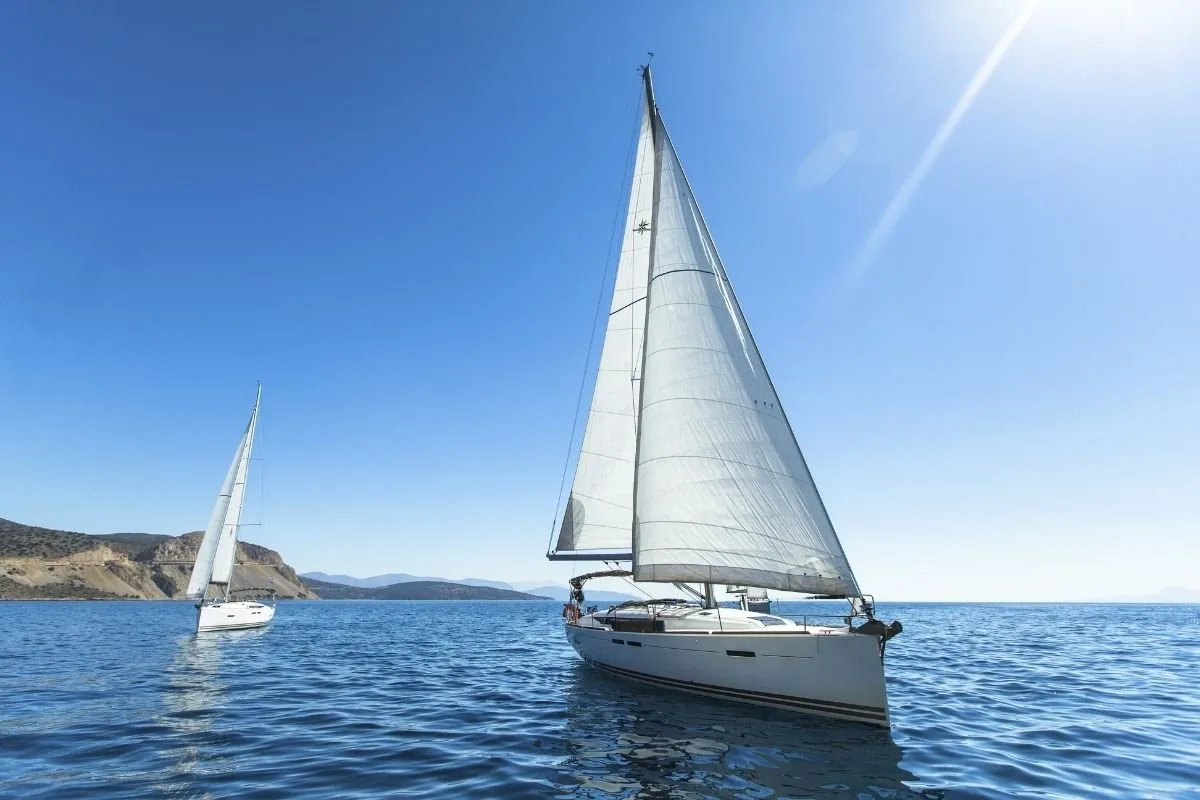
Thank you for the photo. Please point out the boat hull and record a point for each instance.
(837, 675)
(233, 616)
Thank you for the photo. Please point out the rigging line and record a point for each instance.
(616, 565)
(628, 171)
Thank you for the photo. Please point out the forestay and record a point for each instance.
(723, 493)
(598, 518)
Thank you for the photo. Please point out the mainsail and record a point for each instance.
(598, 519)
(218, 548)
(701, 468)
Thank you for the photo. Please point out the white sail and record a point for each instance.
(226, 554)
(203, 568)
(723, 493)
(598, 518)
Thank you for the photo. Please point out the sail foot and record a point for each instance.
(742, 576)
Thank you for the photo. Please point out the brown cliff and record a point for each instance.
(41, 563)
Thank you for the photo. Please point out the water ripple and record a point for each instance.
(438, 700)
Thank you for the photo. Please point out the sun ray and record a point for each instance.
(895, 210)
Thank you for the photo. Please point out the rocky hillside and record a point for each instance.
(416, 590)
(40, 563)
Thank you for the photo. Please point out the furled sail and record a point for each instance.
(598, 518)
(723, 493)
(211, 551)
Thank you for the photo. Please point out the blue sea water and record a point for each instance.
(478, 699)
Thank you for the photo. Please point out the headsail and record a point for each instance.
(598, 519)
(723, 493)
(213, 552)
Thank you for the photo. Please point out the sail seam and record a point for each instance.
(726, 461)
(665, 273)
(622, 308)
(658, 350)
(712, 549)
(598, 500)
(690, 549)
(605, 455)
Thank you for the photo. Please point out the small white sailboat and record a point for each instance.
(689, 469)
(751, 599)
(212, 575)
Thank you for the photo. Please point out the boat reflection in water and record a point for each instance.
(193, 697)
(624, 741)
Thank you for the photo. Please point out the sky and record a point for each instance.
(964, 236)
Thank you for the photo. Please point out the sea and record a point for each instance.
(452, 700)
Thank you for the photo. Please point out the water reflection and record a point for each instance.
(631, 741)
(193, 697)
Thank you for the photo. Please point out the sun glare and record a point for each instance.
(1147, 25)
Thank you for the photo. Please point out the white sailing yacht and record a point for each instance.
(689, 469)
(212, 574)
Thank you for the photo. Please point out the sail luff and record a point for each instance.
(223, 560)
(598, 517)
(723, 493)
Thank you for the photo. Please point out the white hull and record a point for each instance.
(828, 672)
(233, 616)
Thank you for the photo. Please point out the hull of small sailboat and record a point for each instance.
(233, 616)
(827, 672)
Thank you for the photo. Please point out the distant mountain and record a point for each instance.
(590, 595)
(415, 590)
(391, 578)
(1172, 594)
(350, 580)
(492, 584)
(43, 563)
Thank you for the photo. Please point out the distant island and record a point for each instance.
(46, 564)
(560, 592)
(416, 590)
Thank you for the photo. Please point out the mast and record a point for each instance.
(649, 86)
(656, 139)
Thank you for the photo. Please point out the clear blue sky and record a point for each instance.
(396, 215)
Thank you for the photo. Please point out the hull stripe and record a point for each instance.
(232, 627)
(872, 714)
